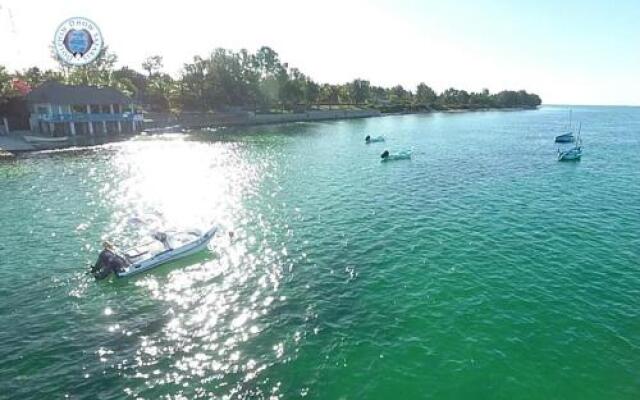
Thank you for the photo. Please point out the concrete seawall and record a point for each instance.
(206, 119)
(13, 144)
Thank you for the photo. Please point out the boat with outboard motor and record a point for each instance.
(376, 139)
(165, 248)
(401, 155)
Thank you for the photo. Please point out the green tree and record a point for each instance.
(425, 95)
(378, 94)
(359, 91)
(6, 87)
(133, 82)
(192, 85)
(454, 98)
(399, 94)
(162, 93)
(240, 78)
(152, 65)
(267, 62)
(329, 94)
(97, 73)
(311, 92)
(35, 77)
(506, 98)
(293, 87)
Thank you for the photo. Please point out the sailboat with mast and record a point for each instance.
(575, 152)
(566, 137)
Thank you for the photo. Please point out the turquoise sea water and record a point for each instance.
(481, 269)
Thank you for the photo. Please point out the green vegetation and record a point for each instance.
(258, 81)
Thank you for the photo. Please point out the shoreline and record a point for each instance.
(196, 120)
(17, 145)
(462, 110)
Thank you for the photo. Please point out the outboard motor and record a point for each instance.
(367, 139)
(107, 262)
(385, 154)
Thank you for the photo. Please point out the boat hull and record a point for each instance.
(166, 129)
(168, 256)
(564, 139)
(403, 155)
(569, 158)
(378, 139)
(42, 139)
(570, 155)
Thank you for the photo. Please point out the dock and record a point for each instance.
(9, 145)
(5, 155)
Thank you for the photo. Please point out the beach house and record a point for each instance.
(65, 110)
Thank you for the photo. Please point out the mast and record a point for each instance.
(579, 139)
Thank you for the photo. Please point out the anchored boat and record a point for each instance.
(401, 155)
(568, 136)
(370, 139)
(574, 153)
(166, 129)
(165, 248)
(565, 138)
(44, 139)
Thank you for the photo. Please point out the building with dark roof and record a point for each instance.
(62, 110)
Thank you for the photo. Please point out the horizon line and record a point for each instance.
(588, 105)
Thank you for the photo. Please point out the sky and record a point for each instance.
(568, 52)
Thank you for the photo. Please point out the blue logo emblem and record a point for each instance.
(78, 41)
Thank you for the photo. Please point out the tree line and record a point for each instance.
(240, 79)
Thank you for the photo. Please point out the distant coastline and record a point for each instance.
(163, 122)
(225, 88)
(198, 120)
(463, 110)
(230, 81)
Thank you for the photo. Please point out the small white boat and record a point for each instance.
(166, 129)
(376, 139)
(167, 247)
(44, 139)
(402, 155)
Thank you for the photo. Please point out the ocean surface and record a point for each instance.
(481, 269)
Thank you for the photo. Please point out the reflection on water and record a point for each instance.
(211, 308)
(174, 185)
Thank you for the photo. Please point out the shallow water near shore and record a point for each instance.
(481, 268)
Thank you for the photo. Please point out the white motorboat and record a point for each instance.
(376, 139)
(44, 139)
(165, 248)
(401, 155)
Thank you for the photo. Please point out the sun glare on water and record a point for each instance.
(170, 182)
